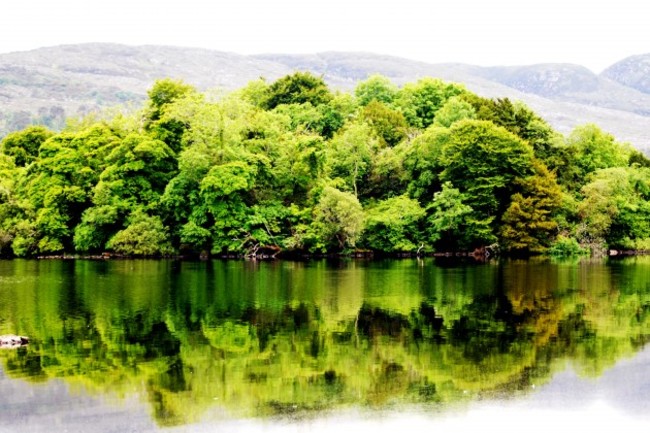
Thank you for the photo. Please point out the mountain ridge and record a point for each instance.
(47, 85)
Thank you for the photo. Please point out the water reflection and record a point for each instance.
(250, 339)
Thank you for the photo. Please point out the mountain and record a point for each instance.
(571, 83)
(632, 71)
(48, 84)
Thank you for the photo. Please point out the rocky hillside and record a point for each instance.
(572, 83)
(632, 72)
(45, 85)
(48, 84)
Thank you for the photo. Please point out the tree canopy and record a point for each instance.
(294, 167)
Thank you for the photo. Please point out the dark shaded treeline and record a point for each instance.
(290, 167)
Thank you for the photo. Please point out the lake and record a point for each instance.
(377, 345)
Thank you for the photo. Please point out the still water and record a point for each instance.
(233, 345)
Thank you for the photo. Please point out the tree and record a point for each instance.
(53, 221)
(162, 95)
(423, 161)
(8, 173)
(517, 118)
(58, 185)
(139, 169)
(389, 125)
(376, 88)
(98, 224)
(333, 115)
(10, 211)
(453, 225)
(144, 235)
(352, 151)
(246, 173)
(25, 240)
(615, 210)
(392, 225)
(338, 217)
(164, 92)
(23, 145)
(387, 177)
(224, 191)
(299, 166)
(594, 149)
(137, 172)
(420, 101)
(219, 127)
(638, 159)
(323, 119)
(181, 197)
(529, 224)
(255, 92)
(483, 161)
(453, 110)
(298, 88)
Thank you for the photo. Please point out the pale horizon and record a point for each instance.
(495, 33)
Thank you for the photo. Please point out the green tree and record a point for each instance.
(244, 173)
(638, 159)
(484, 161)
(298, 88)
(98, 224)
(529, 223)
(224, 192)
(338, 217)
(423, 162)
(23, 145)
(10, 211)
(163, 94)
(453, 225)
(453, 110)
(219, 127)
(58, 185)
(389, 125)
(255, 92)
(323, 119)
(421, 101)
(392, 225)
(615, 210)
(351, 154)
(376, 88)
(517, 118)
(593, 149)
(299, 166)
(181, 197)
(388, 177)
(144, 235)
(137, 172)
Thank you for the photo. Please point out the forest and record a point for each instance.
(292, 167)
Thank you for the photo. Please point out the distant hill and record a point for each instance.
(48, 84)
(633, 72)
(571, 83)
(75, 79)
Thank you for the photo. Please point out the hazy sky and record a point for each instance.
(592, 33)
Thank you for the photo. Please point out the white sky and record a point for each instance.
(592, 33)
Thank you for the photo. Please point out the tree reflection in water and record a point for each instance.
(290, 338)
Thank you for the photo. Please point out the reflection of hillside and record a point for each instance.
(288, 337)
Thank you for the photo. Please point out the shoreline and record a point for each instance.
(476, 255)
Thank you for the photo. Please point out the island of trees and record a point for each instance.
(292, 167)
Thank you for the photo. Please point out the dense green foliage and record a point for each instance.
(291, 166)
